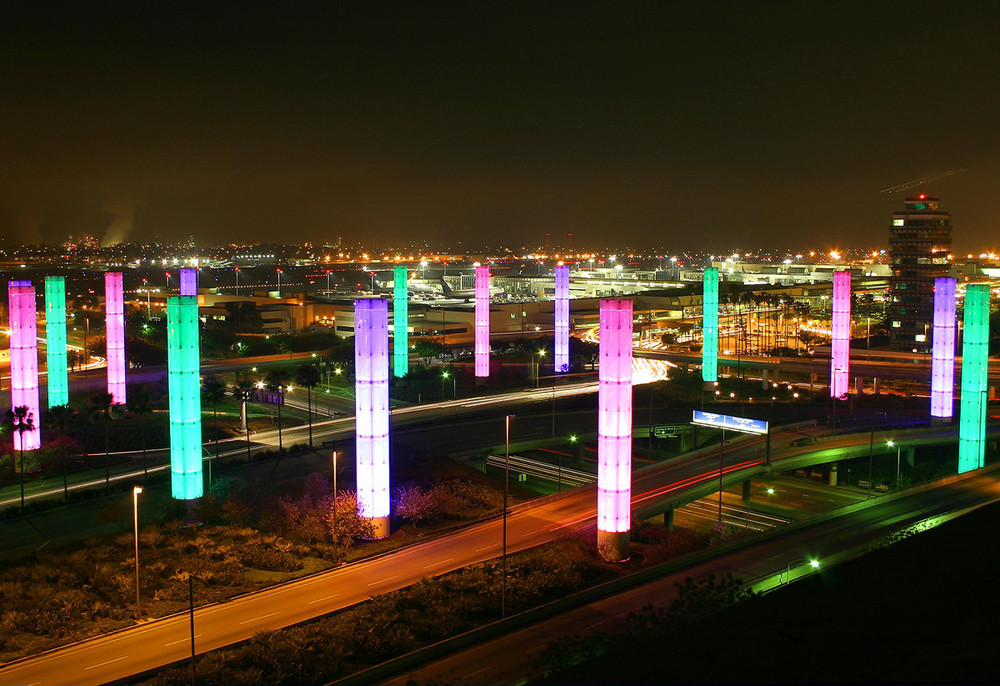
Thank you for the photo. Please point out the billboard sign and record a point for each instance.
(725, 421)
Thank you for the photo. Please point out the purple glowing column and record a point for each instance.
(24, 362)
(840, 347)
(482, 321)
(614, 431)
(371, 403)
(562, 319)
(189, 282)
(114, 334)
(943, 353)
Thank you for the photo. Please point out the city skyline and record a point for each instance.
(654, 126)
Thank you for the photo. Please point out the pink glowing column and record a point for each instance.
(24, 362)
(614, 431)
(562, 319)
(114, 334)
(371, 404)
(482, 321)
(943, 352)
(189, 282)
(840, 347)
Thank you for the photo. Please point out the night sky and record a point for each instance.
(700, 125)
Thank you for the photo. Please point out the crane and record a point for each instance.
(911, 184)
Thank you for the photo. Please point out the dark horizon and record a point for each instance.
(705, 127)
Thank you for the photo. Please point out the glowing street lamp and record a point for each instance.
(136, 490)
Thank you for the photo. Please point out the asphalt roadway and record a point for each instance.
(512, 658)
(160, 642)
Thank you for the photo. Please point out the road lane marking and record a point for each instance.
(320, 600)
(269, 614)
(439, 562)
(382, 581)
(123, 657)
(479, 550)
(186, 638)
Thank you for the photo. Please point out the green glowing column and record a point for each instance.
(183, 361)
(400, 323)
(710, 327)
(55, 340)
(975, 376)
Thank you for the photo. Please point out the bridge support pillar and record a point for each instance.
(859, 385)
(578, 452)
(831, 477)
(992, 395)
(747, 485)
(876, 385)
(763, 379)
(668, 519)
(812, 380)
(911, 456)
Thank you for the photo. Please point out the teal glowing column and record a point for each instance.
(710, 326)
(975, 355)
(400, 322)
(55, 340)
(183, 369)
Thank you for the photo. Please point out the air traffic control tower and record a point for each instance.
(919, 245)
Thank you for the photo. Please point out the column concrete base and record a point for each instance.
(940, 421)
(613, 546)
(380, 528)
(708, 386)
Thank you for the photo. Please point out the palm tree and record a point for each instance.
(140, 402)
(22, 420)
(276, 381)
(59, 418)
(100, 411)
(308, 376)
(213, 392)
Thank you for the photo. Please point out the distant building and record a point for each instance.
(919, 247)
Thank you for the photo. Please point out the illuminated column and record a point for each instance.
(710, 327)
(114, 334)
(943, 353)
(24, 361)
(55, 340)
(189, 282)
(562, 319)
(840, 346)
(975, 355)
(184, 385)
(614, 431)
(400, 322)
(482, 321)
(371, 411)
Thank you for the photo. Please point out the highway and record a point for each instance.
(511, 658)
(163, 641)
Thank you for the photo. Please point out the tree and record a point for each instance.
(346, 525)
(414, 503)
(101, 405)
(213, 392)
(308, 376)
(585, 351)
(428, 349)
(244, 388)
(140, 403)
(60, 417)
(23, 421)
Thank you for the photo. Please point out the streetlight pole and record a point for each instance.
(788, 568)
(722, 448)
(506, 488)
(335, 546)
(899, 448)
(136, 490)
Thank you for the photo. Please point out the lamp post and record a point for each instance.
(814, 563)
(191, 579)
(237, 270)
(535, 365)
(899, 448)
(136, 490)
(278, 271)
(454, 391)
(506, 487)
(722, 447)
(335, 546)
